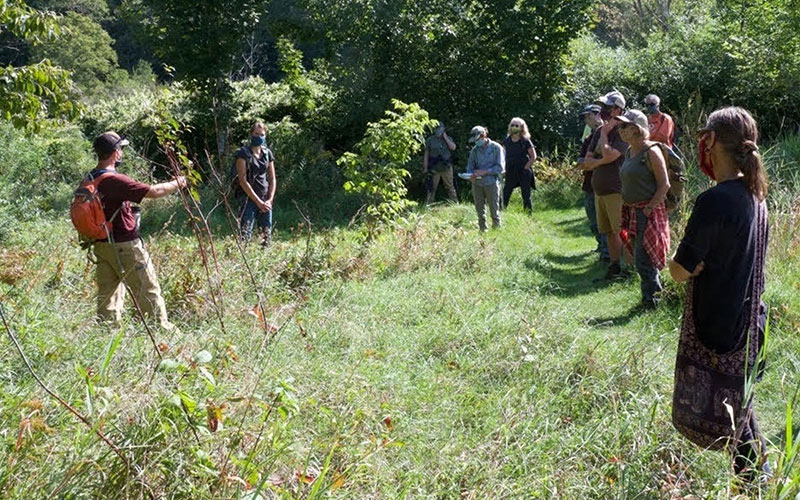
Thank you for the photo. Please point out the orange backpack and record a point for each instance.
(86, 210)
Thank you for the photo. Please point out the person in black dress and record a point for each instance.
(722, 256)
(520, 155)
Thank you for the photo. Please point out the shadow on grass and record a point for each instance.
(569, 275)
(575, 227)
(330, 212)
(617, 320)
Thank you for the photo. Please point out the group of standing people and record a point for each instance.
(624, 157)
(123, 261)
(721, 254)
(625, 187)
(488, 163)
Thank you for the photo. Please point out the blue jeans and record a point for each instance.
(651, 281)
(591, 214)
(248, 214)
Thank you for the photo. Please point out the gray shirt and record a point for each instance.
(638, 181)
(257, 168)
(491, 157)
(437, 148)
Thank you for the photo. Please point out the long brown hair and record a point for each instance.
(737, 132)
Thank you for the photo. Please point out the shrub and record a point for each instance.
(39, 172)
(377, 170)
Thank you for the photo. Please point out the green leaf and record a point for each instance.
(167, 365)
(202, 357)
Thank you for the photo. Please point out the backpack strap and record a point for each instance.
(95, 176)
(646, 157)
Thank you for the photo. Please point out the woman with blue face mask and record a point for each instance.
(255, 170)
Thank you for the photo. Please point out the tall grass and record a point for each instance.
(432, 362)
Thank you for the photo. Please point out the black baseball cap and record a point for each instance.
(108, 142)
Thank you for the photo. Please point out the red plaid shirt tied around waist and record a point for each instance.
(656, 235)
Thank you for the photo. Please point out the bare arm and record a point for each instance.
(531, 157)
(659, 168)
(680, 274)
(241, 174)
(163, 189)
(272, 185)
(609, 155)
(450, 144)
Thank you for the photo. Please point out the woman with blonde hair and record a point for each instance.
(520, 155)
(722, 256)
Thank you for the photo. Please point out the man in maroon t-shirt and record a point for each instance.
(122, 259)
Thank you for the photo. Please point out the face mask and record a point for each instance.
(257, 140)
(514, 129)
(652, 109)
(480, 142)
(704, 160)
(439, 132)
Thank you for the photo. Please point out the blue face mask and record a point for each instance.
(258, 140)
(480, 142)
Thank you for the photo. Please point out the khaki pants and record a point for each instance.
(137, 272)
(609, 212)
(487, 194)
(447, 177)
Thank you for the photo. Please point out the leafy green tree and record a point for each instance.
(291, 64)
(31, 93)
(377, 167)
(466, 63)
(96, 9)
(86, 52)
(199, 40)
(200, 43)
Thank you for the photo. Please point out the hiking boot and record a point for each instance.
(614, 272)
(266, 240)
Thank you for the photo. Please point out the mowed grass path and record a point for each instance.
(442, 364)
(508, 373)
